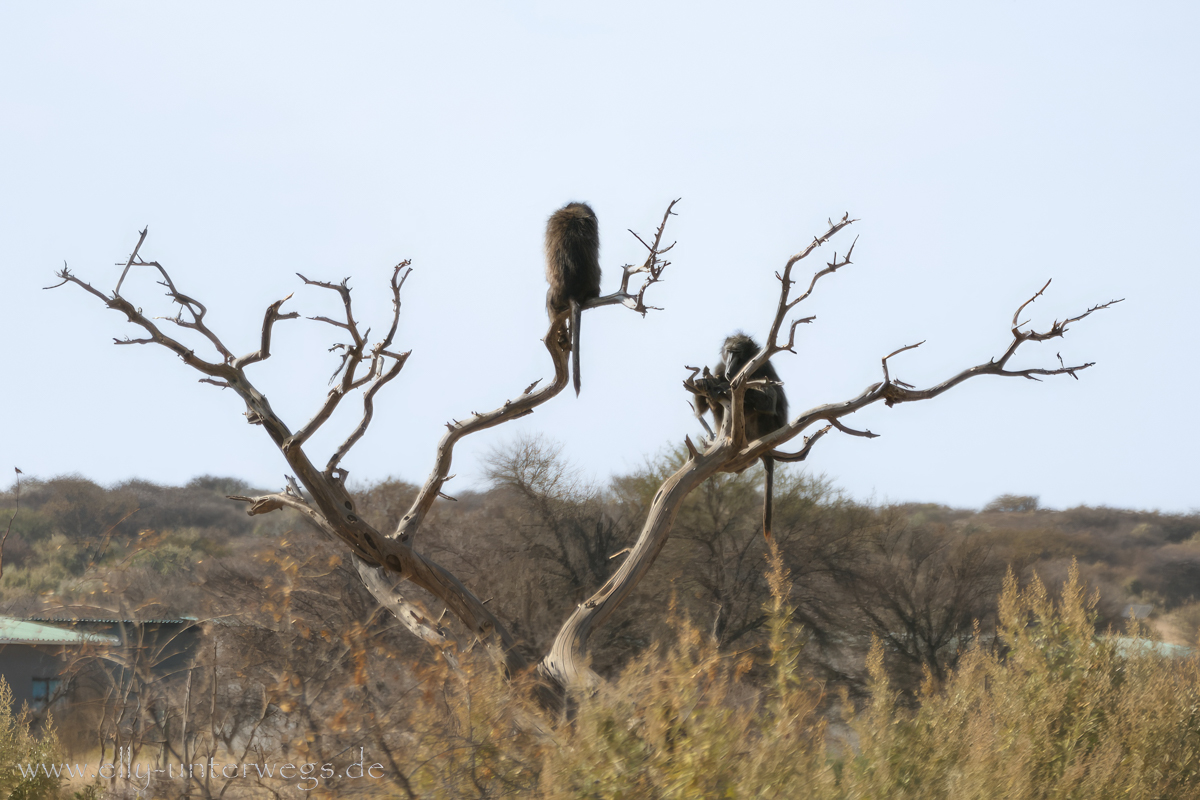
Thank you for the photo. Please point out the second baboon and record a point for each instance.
(765, 406)
(572, 267)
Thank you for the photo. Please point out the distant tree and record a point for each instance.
(922, 589)
(387, 559)
(563, 522)
(1013, 502)
(1173, 572)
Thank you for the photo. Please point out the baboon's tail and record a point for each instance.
(769, 466)
(576, 316)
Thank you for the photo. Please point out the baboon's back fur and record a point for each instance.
(572, 256)
(572, 267)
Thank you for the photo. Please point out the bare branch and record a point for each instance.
(134, 315)
(352, 356)
(1021, 308)
(886, 378)
(343, 290)
(343, 325)
(772, 345)
(133, 258)
(830, 267)
(412, 615)
(803, 452)
(293, 487)
(1059, 328)
(653, 268)
(739, 383)
(194, 307)
(396, 285)
(368, 408)
(785, 287)
(350, 361)
(791, 343)
(264, 349)
(865, 434)
(892, 392)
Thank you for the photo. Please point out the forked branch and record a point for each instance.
(525, 403)
(652, 268)
(893, 391)
(264, 348)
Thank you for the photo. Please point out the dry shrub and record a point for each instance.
(681, 722)
(1186, 621)
(1059, 713)
(1063, 714)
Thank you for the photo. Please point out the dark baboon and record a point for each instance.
(572, 267)
(765, 406)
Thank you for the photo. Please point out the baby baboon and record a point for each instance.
(765, 406)
(572, 267)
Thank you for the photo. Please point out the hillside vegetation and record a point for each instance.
(888, 651)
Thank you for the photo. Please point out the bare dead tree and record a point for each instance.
(387, 560)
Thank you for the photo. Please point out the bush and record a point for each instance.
(1186, 621)
(1062, 713)
(19, 747)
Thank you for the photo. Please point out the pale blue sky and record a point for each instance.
(986, 147)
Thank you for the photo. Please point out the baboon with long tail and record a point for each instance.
(765, 406)
(572, 267)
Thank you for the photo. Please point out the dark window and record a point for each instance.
(44, 690)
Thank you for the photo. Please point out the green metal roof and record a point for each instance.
(17, 631)
(1129, 646)
(125, 620)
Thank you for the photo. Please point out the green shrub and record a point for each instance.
(19, 747)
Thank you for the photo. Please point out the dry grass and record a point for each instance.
(1049, 710)
(1061, 714)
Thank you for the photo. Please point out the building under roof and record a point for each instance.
(32, 656)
